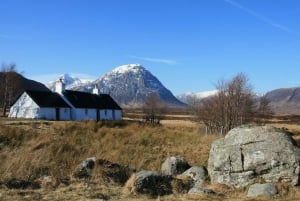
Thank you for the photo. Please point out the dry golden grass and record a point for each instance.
(31, 149)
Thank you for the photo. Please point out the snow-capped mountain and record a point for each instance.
(130, 85)
(71, 81)
(199, 95)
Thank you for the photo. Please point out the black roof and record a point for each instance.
(47, 99)
(87, 100)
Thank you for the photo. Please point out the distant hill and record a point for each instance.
(25, 84)
(130, 86)
(71, 81)
(199, 95)
(285, 100)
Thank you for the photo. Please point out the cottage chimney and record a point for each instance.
(59, 86)
(96, 90)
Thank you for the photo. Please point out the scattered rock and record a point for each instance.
(48, 182)
(197, 173)
(112, 172)
(251, 153)
(21, 184)
(174, 165)
(84, 170)
(268, 189)
(182, 184)
(150, 182)
(198, 189)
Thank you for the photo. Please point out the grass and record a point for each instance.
(32, 149)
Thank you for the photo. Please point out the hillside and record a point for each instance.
(285, 100)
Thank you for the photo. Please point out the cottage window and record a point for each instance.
(86, 111)
(105, 112)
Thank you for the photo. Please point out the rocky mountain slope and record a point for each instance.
(285, 100)
(130, 86)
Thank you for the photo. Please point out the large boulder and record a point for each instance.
(174, 165)
(251, 153)
(150, 182)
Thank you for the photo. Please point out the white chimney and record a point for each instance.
(96, 90)
(59, 86)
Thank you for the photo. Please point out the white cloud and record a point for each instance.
(260, 17)
(158, 60)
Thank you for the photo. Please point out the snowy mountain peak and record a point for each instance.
(130, 85)
(128, 68)
(70, 81)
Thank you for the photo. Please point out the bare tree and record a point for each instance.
(153, 109)
(264, 109)
(233, 105)
(10, 86)
(193, 106)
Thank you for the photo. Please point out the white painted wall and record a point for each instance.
(110, 114)
(24, 107)
(118, 115)
(50, 114)
(79, 114)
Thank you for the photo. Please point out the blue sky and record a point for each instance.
(187, 44)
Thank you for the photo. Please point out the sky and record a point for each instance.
(187, 44)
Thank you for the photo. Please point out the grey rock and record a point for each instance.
(251, 153)
(199, 189)
(197, 173)
(84, 169)
(152, 183)
(268, 189)
(112, 172)
(174, 165)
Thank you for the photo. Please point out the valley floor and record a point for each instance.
(31, 149)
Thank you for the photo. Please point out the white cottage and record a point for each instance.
(66, 105)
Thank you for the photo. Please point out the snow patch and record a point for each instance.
(126, 68)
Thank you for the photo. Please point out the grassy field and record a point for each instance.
(32, 149)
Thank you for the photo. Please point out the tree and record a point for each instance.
(10, 86)
(153, 109)
(264, 109)
(193, 106)
(232, 106)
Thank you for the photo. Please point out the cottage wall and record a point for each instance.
(108, 114)
(50, 114)
(84, 114)
(24, 107)
(118, 115)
